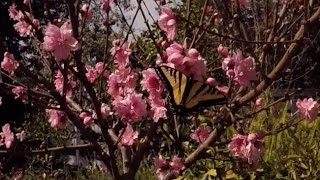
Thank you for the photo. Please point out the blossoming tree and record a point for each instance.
(241, 47)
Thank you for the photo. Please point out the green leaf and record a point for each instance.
(212, 172)
(231, 175)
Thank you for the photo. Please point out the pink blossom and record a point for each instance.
(259, 102)
(159, 60)
(128, 79)
(308, 108)
(223, 90)
(158, 112)
(21, 135)
(121, 52)
(36, 23)
(18, 174)
(13, 13)
(200, 134)
(187, 61)
(115, 88)
(106, 4)
(19, 92)
(167, 22)
(195, 68)
(245, 71)
(59, 82)
(175, 54)
(128, 136)
(208, 8)
(94, 72)
(176, 48)
(237, 144)
(216, 18)
(21, 17)
(176, 165)
(160, 165)
(248, 149)
(132, 108)
(154, 87)
(87, 118)
(223, 51)
(60, 41)
(151, 83)
(57, 118)
(26, 2)
(105, 110)
(7, 137)
(194, 54)
(86, 12)
(240, 69)
(230, 73)
(161, 42)
(121, 82)
(100, 68)
(160, 162)
(211, 81)
(91, 74)
(23, 28)
(228, 63)
(176, 61)
(9, 63)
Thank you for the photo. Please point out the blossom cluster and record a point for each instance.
(128, 105)
(59, 83)
(23, 18)
(163, 166)
(94, 72)
(247, 148)
(240, 69)
(178, 56)
(9, 63)
(20, 93)
(308, 108)
(215, 16)
(57, 118)
(60, 41)
(7, 136)
(86, 12)
(167, 22)
(152, 84)
(188, 61)
(88, 117)
(201, 134)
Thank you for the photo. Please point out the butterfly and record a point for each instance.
(186, 94)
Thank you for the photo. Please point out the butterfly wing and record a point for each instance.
(187, 95)
(175, 82)
(202, 95)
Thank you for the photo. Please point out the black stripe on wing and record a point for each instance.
(167, 84)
